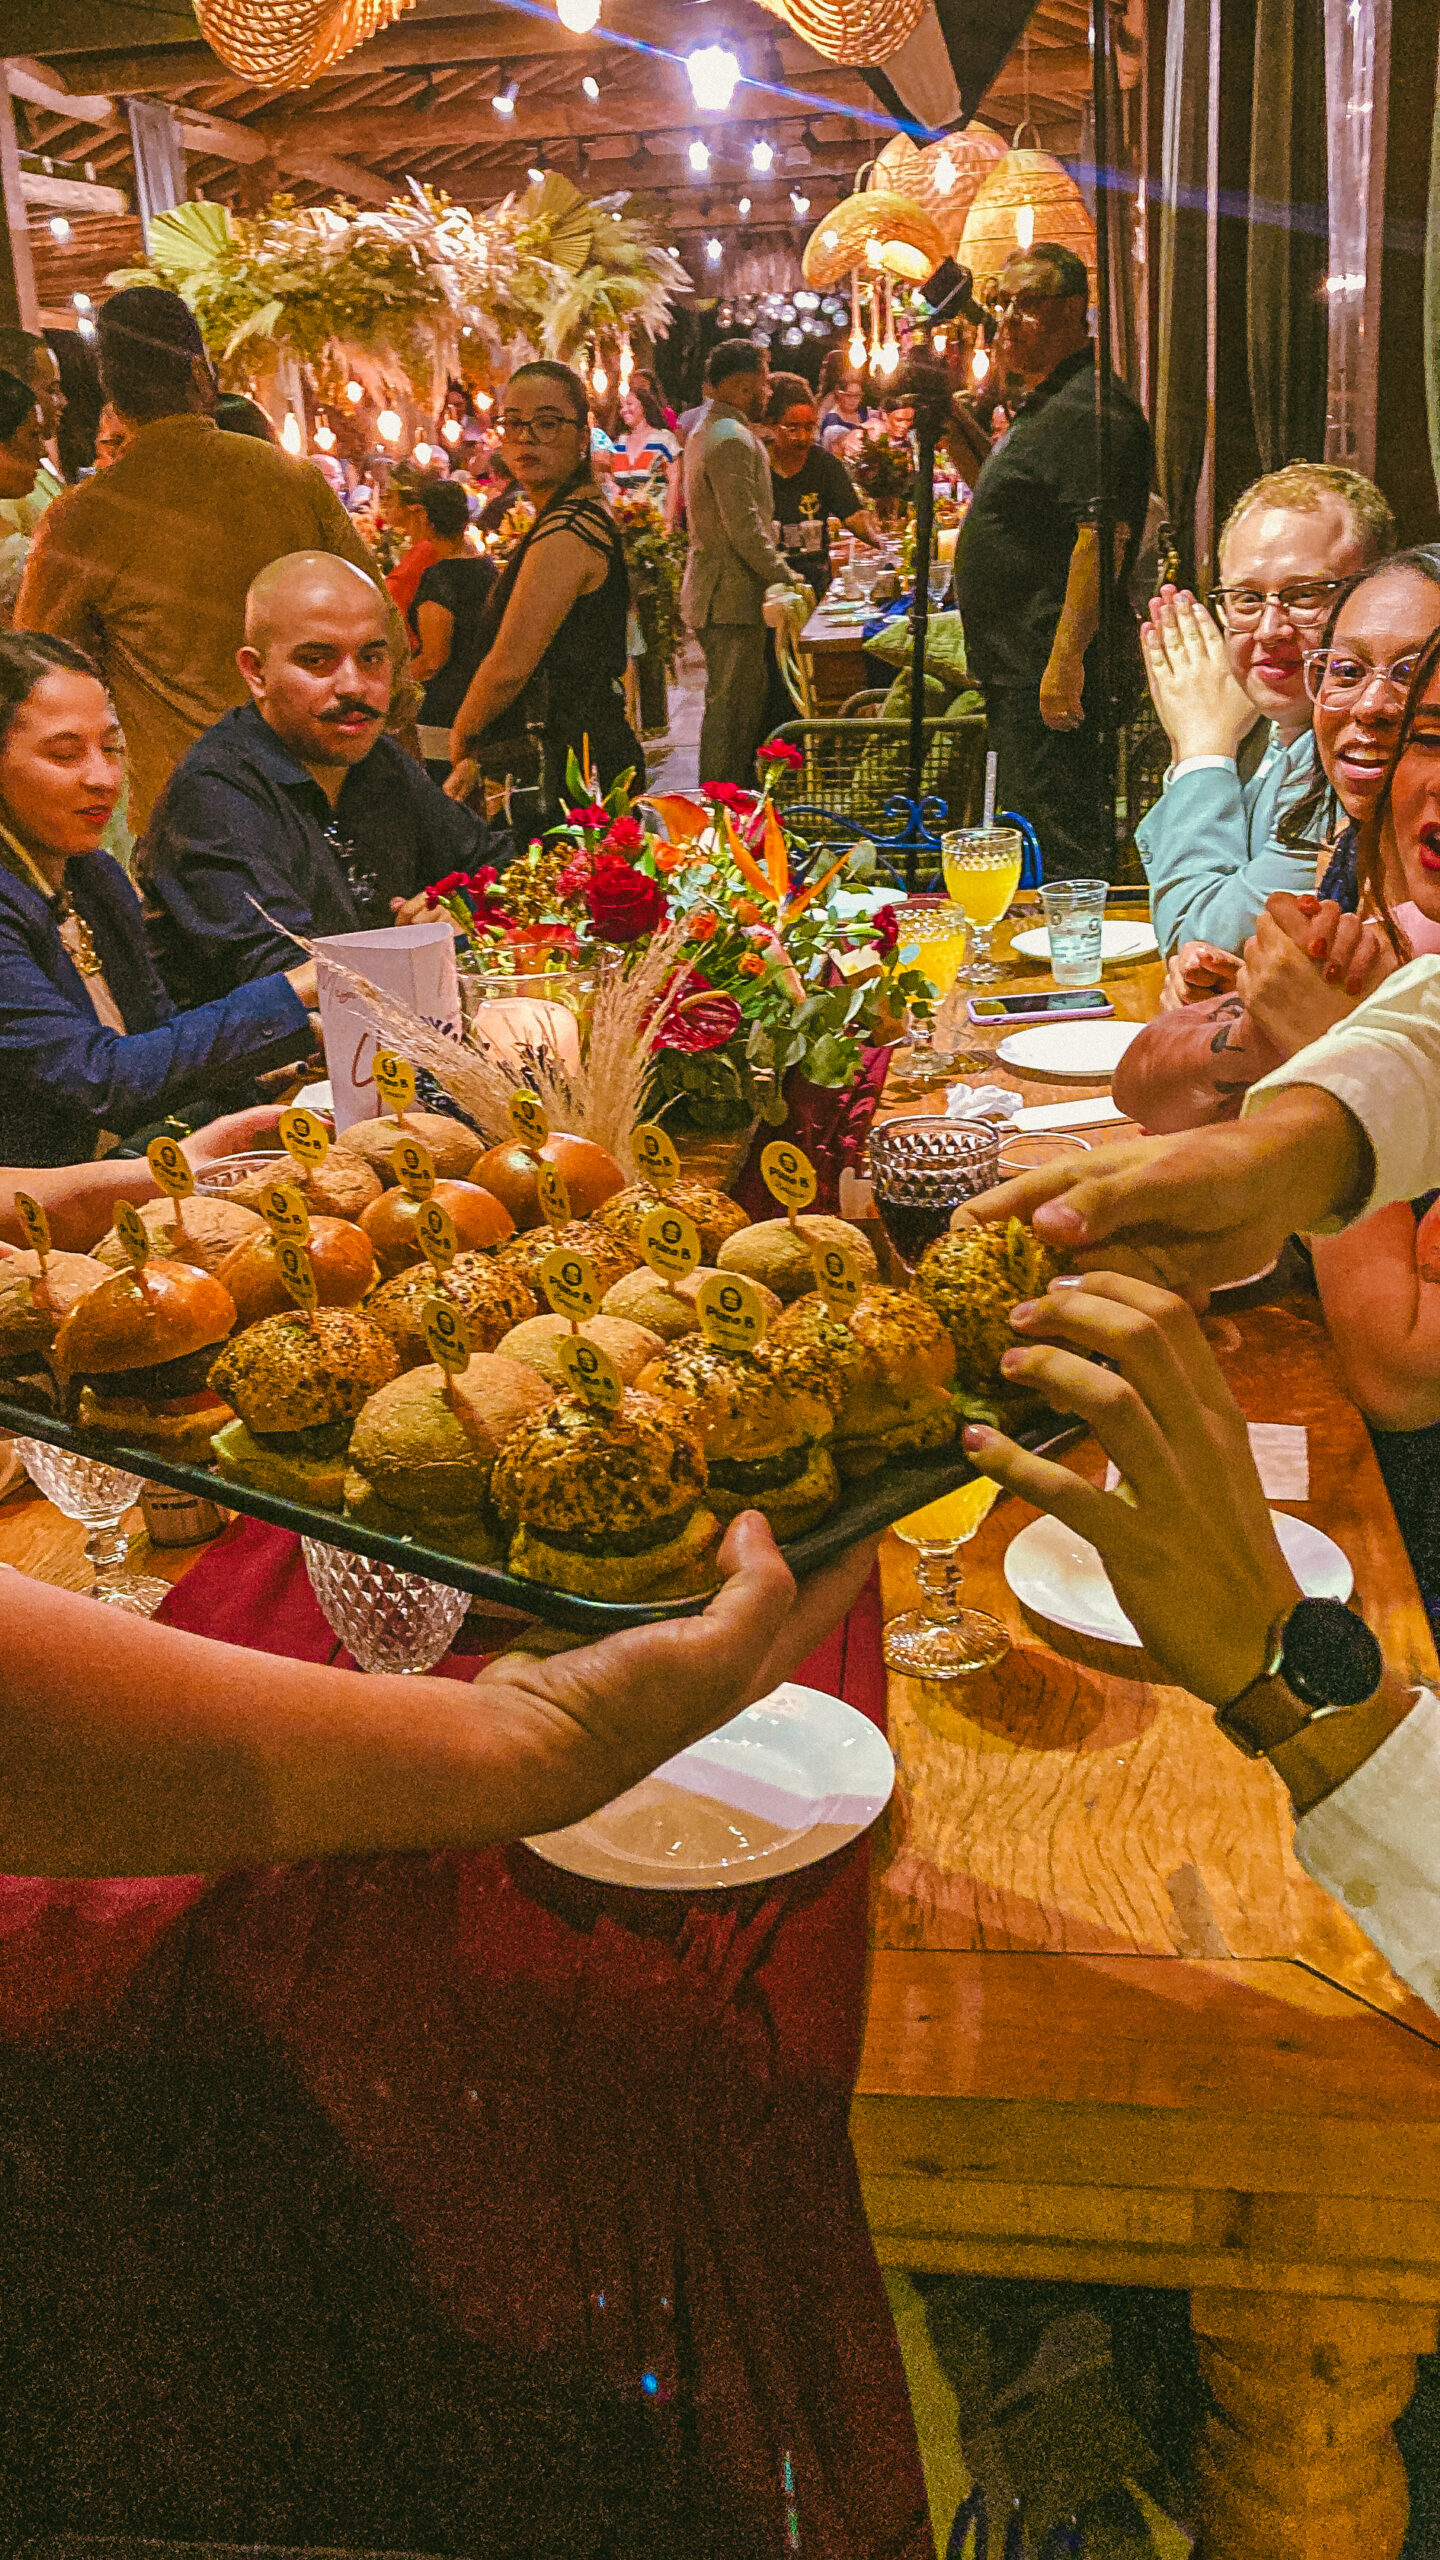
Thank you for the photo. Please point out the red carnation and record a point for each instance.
(623, 902)
(778, 752)
(574, 880)
(626, 836)
(728, 795)
(594, 820)
(885, 925)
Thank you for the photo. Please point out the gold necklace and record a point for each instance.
(62, 906)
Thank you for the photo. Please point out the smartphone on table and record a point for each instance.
(1054, 1004)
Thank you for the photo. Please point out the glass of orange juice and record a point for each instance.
(930, 937)
(982, 874)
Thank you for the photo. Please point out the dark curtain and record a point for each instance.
(1288, 242)
(1120, 223)
(1181, 399)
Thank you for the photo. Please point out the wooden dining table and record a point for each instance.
(1115, 2034)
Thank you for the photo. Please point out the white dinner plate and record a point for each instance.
(1117, 942)
(785, 1783)
(1060, 1576)
(1069, 1048)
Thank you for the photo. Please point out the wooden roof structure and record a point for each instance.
(417, 100)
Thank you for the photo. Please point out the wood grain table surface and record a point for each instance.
(1116, 2033)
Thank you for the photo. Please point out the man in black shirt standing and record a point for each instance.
(297, 814)
(1029, 568)
(811, 486)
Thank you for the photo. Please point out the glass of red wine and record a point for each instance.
(923, 1167)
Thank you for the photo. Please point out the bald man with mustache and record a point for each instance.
(297, 815)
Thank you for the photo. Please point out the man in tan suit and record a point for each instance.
(147, 566)
(733, 559)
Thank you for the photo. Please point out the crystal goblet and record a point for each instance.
(389, 1620)
(941, 1640)
(85, 1489)
(922, 1167)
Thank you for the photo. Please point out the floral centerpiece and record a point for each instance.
(884, 468)
(773, 980)
(655, 559)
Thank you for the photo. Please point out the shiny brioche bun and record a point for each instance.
(340, 1256)
(139, 1320)
(31, 1309)
(511, 1171)
(453, 1145)
(390, 1223)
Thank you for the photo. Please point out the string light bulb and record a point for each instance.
(424, 455)
(578, 15)
(450, 430)
(290, 435)
(591, 87)
(354, 393)
(699, 156)
(599, 382)
(483, 401)
(627, 363)
(1025, 226)
(979, 364)
(325, 436)
(743, 208)
(59, 227)
(390, 426)
(857, 333)
(714, 72)
(762, 157)
(714, 251)
(944, 173)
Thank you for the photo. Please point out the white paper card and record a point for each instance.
(415, 963)
(1281, 1451)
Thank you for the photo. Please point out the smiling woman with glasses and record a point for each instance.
(554, 660)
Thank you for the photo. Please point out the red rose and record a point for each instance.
(626, 836)
(623, 902)
(885, 924)
(778, 752)
(593, 820)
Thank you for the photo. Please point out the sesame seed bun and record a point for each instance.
(714, 1216)
(493, 1301)
(888, 1370)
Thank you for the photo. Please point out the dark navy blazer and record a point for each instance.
(63, 1075)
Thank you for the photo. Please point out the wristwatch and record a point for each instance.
(1320, 1658)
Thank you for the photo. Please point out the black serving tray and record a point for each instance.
(866, 1506)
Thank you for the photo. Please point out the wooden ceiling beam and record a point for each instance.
(244, 145)
(633, 109)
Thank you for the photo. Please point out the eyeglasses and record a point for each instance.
(1308, 600)
(1331, 676)
(545, 424)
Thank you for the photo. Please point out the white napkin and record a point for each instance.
(981, 1102)
(1281, 1451)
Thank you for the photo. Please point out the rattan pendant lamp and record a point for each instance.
(285, 44)
(855, 31)
(1028, 196)
(941, 177)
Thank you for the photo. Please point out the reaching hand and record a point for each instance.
(464, 773)
(1062, 691)
(1307, 966)
(1187, 1541)
(1203, 707)
(1194, 1211)
(1195, 973)
(235, 1135)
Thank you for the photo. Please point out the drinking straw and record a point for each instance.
(991, 762)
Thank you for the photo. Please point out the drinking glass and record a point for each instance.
(923, 1167)
(389, 1620)
(228, 1172)
(982, 874)
(87, 1490)
(930, 936)
(941, 1640)
(1074, 918)
(940, 574)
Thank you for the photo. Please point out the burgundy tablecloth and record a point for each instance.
(444, 2202)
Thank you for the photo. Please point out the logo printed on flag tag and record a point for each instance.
(554, 1198)
(590, 1372)
(655, 1157)
(435, 1234)
(528, 1119)
(35, 1223)
(670, 1242)
(296, 1270)
(285, 1213)
(394, 1079)
(568, 1280)
(170, 1168)
(838, 1276)
(133, 1233)
(788, 1176)
(732, 1315)
(447, 1336)
(304, 1136)
(414, 1169)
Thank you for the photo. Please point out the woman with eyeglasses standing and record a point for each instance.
(555, 659)
(1289, 547)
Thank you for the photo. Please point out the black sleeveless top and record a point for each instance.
(577, 692)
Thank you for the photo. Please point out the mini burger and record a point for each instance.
(714, 1217)
(133, 1359)
(771, 1252)
(887, 1371)
(608, 1505)
(493, 1302)
(342, 1187)
(610, 1257)
(642, 1297)
(209, 1232)
(972, 1278)
(452, 1144)
(766, 1444)
(422, 1454)
(539, 1343)
(390, 1223)
(296, 1388)
(341, 1257)
(32, 1310)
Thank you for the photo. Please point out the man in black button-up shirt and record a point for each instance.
(1028, 569)
(297, 815)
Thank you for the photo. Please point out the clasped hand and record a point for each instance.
(1307, 965)
(1202, 706)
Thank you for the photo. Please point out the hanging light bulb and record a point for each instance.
(699, 157)
(325, 436)
(290, 435)
(599, 382)
(857, 333)
(743, 208)
(390, 426)
(59, 227)
(483, 401)
(944, 173)
(980, 364)
(713, 74)
(504, 99)
(82, 302)
(578, 15)
(627, 363)
(450, 430)
(424, 455)
(354, 393)
(800, 202)
(714, 251)
(762, 157)
(940, 340)
(591, 87)
(1025, 226)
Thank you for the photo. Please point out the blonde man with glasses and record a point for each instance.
(1222, 688)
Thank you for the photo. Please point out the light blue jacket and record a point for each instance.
(1209, 848)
